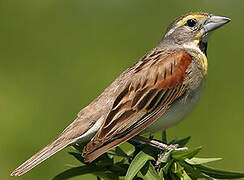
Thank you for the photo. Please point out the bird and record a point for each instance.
(155, 93)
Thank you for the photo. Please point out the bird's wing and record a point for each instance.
(156, 82)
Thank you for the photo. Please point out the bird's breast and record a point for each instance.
(177, 111)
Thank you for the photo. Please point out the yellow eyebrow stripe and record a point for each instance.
(184, 20)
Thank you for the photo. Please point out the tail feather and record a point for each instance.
(42, 155)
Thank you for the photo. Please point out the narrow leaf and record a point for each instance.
(181, 142)
(119, 169)
(151, 173)
(220, 174)
(107, 175)
(173, 176)
(104, 160)
(179, 171)
(184, 176)
(166, 157)
(176, 168)
(192, 171)
(138, 162)
(186, 154)
(195, 161)
(77, 171)
(167, 166)
(144, 169)
(120, 152)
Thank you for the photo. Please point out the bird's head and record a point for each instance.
(193, 29)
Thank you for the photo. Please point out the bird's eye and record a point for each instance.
(191, 22)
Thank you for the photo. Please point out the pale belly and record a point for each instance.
(177, 111)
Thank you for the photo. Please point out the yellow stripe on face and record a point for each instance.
(192, 16)
(183, 21)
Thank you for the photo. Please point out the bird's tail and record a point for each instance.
(42, 155)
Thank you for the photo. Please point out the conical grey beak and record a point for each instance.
(215, 22)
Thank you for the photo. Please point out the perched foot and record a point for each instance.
(159, 145)
(165, 147)
(158, 162)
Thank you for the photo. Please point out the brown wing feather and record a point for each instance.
(157, 82)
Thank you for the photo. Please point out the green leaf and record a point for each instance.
(219, 174)
(117, 154)
(173, 176)
(77, 171)
(122, 164)
(151, 173)
(181, 142)
(118, 169)
(175, 165)
(177, 169)
(144, 169)
(210, 178)
(184, 176)
(195, 161)
(167, 166)
(107, 175)
(103, 160)
(192, 171)
(137, 163)
(166, 157)
(185, 154)
(120, 152)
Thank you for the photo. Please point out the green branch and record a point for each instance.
(149, 163)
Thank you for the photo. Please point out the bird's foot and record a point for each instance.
(175, 147)
(160, 145)
(167, 149)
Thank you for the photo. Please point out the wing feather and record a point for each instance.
(157, 81)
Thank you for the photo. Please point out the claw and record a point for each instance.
(160, 145)
(172, 147)
(181, 149)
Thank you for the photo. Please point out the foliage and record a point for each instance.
(149, 163)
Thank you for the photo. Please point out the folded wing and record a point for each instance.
(158, 80)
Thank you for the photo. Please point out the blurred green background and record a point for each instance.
(57, 56)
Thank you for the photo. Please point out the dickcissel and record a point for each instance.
(157, 92)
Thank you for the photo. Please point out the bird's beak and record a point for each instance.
(214, 22)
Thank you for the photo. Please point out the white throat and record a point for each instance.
(194, 47)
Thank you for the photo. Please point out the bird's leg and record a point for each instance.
(158, 144)
(160, 157)
(162, 154)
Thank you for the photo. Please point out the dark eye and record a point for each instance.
(191, 22)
